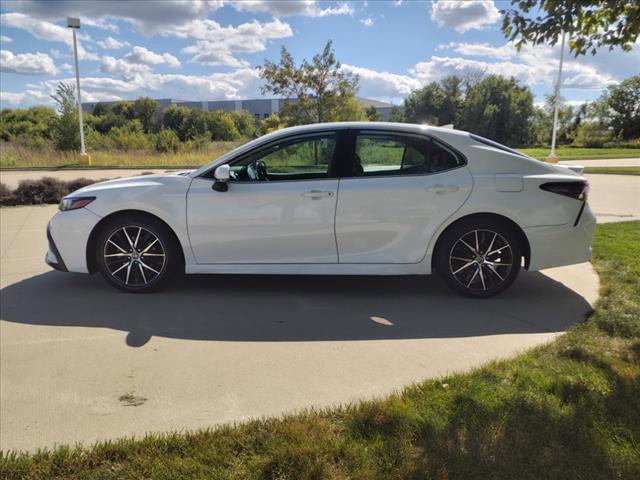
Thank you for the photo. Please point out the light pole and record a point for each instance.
(553, 158)
(74, 24)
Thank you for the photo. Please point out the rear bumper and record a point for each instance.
(560, 245)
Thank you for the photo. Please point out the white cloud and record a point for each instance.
(66, 67)
(111, 43)
(140, 55)
(282, 8)
(27, 63)
(216, 44)
(148, 18)
(5, 39)
(137, 63)
(463, 15)
(480, 49)
(240, 83)
(367, 22)
(46, 31)
(383, 84)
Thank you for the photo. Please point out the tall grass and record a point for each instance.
(17, 156)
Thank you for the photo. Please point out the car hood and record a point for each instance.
(139, 181)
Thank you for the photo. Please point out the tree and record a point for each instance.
(66, 133)
(221, 125)
(373, 115)
(144, 109)
(100, 109)
(437, 103)
(318, 91)
(174, 118)
(590, 24)
(500, 109)
(623, 102)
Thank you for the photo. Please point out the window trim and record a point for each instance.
(459, 155)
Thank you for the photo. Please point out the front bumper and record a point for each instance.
(68, 234)
(53, 257)
(568, 244)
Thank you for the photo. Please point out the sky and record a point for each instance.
(209, 49)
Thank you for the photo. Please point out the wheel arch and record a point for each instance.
(492, 217)
(91, 242)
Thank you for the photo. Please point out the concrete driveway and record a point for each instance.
(220, 348)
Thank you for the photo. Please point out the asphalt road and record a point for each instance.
(221, 348)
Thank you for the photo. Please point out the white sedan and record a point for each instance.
(336, 199)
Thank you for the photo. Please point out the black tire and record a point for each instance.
(478, 258)
(155, 261)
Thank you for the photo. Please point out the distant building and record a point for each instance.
(261, 107)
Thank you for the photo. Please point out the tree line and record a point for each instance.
(493, 106)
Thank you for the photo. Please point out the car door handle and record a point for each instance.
(442, 189)
(317, 194)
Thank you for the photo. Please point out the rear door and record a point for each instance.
(400, 189)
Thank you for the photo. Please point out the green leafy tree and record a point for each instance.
(144, 109)
(196, 125)
(66, 133)
(319, 90)
(590, 24)
(623, 104)
(500, 109)
(221, 125)
(437, 103)
(167, 141)
(124, 109)
(100, 109)
(174, 118)
(373, 115)
(246, 124)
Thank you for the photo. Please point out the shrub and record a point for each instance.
(167, 141)
(129, 137)
(592, 135)
(5, 194)
(47, 190)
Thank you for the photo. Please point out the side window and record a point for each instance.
(292, 159)
(382, 154)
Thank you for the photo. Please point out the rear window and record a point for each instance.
(497, 145)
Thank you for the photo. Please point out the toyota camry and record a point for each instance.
(337, 199)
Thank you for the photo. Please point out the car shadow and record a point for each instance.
(292, 308)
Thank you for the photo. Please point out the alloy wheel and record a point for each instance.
(134, 256)
(481, 260)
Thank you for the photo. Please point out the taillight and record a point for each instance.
(577, 190)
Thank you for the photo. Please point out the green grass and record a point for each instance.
(570, 409)
(616, 170)
(568, 153)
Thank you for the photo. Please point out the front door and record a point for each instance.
(279, 207)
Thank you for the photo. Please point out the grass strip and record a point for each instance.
(569, 409)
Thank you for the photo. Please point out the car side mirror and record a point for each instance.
(222, 175)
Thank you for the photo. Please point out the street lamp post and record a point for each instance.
(553, 158)
(74, 24)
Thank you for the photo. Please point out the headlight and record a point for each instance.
(73, 203)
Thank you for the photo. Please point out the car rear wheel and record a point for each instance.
(479, 259)
(136, 254)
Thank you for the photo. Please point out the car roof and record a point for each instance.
(394, 126)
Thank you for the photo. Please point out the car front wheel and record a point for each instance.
(479, 259)
(136, 254)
